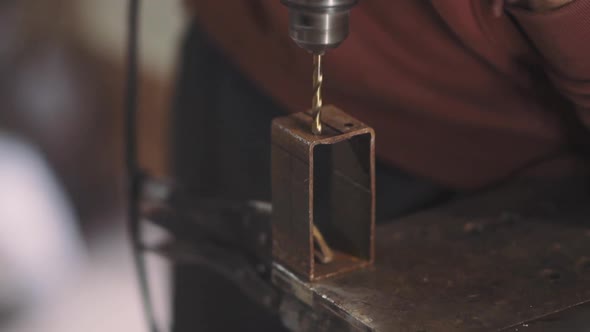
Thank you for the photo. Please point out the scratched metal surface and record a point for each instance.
(487, 263)
(575, 319)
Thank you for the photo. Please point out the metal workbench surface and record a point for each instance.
(496, 261)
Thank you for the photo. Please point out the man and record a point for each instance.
(462, 94)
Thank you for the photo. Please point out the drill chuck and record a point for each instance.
(319, 25)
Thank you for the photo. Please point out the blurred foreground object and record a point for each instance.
(40, 246)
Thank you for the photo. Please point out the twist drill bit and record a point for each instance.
(318, 80)
(323, 253)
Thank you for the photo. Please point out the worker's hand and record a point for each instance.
(534, 5)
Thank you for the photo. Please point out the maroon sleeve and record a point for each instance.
(562, 36)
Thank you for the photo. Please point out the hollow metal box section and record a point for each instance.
(327, 180)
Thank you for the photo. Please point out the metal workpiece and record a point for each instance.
(319, 25)
(325, 181)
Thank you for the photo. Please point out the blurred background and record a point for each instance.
(65, 264)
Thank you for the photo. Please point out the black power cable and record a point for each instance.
(134, 176)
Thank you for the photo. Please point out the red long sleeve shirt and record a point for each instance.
(455, 93)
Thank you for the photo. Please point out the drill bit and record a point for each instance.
(323, 253)
(318, 79)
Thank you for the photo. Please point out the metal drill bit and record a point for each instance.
(318, 79)
(323, 253)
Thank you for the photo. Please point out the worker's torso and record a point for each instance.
(453, 92)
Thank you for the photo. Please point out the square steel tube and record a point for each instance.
(327, 180)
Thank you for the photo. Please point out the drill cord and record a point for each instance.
(133, 173)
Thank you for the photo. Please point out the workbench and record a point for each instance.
(516, 258)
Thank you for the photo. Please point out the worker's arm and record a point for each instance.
(560, 30)
(540, 5)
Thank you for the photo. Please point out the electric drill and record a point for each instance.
(317, 26)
